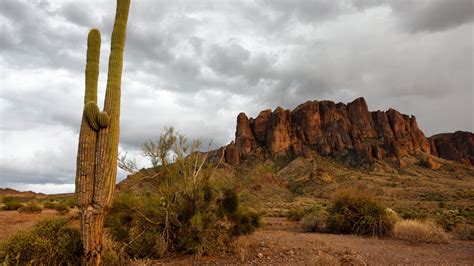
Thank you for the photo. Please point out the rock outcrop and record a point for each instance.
(341, 130)
(457, 146)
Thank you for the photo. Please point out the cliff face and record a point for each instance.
(347, 130)
(342, 130)
(457, 146)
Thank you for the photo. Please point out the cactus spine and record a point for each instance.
(99, 138)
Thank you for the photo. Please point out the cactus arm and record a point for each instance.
(108, 140)
(103, 119)
(86, 155)
(92, 66)
(91, 111)
(95, 118)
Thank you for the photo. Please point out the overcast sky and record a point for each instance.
(195, 65)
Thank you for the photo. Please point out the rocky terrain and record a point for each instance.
(348, 131)
(457, 146)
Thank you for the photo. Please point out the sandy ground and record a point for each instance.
(279, 242)
(13, 221)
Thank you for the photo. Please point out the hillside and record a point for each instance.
(290, 159)
(8, 192)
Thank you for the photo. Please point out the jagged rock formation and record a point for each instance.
(457, 146)
(346, 130)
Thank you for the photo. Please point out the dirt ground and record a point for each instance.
(13, 221)
(280, 242)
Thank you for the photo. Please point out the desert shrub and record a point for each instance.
(147, 244)
(464, 231)
(62, 208)
(10, 199)
(240, 247)
(112, 251)
(448, 219)
(70, 202)
(315, 221)
(50, 242)
(187, 208)
(417, 231)
(355, 213)
(31, 207)
(246, 221)
(49, 204)
(297, 213)
(12, 206)
(411, 214)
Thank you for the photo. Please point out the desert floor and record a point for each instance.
(280, 242)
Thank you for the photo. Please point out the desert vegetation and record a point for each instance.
(417, 231)
(50, 242)
(324, 173)
(186, 207)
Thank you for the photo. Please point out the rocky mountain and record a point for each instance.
(457, 146)
(343, 130)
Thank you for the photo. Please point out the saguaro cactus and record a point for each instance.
(99, 138)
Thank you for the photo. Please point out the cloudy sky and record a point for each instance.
(196, 64)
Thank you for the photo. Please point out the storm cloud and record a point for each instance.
(195, 65)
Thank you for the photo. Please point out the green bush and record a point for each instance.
(31, 207)
(10, 199)
(12, 206)
(464, 231)
(186, 208)
(448, 219)
(355, 213)
(296, 214)
(62, 208)
(316, 221)
(50, 242)
(246, 221)
(71, 202)
(411, 214)
(49, 204)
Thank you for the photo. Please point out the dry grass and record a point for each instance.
(240, 247)
(416, 232)
(464, 231)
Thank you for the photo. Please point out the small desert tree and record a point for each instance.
(99, 138)
(188, 203)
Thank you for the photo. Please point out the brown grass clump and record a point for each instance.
(416, 232)
(240, 246)
(464, 231)
(316, 221)
(354, 212)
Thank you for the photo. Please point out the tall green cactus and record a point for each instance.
(99, 137)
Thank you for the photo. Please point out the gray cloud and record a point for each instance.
(195, 65)
(425, 15)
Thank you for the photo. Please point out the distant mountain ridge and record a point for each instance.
(9, 192)
(341, 130)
